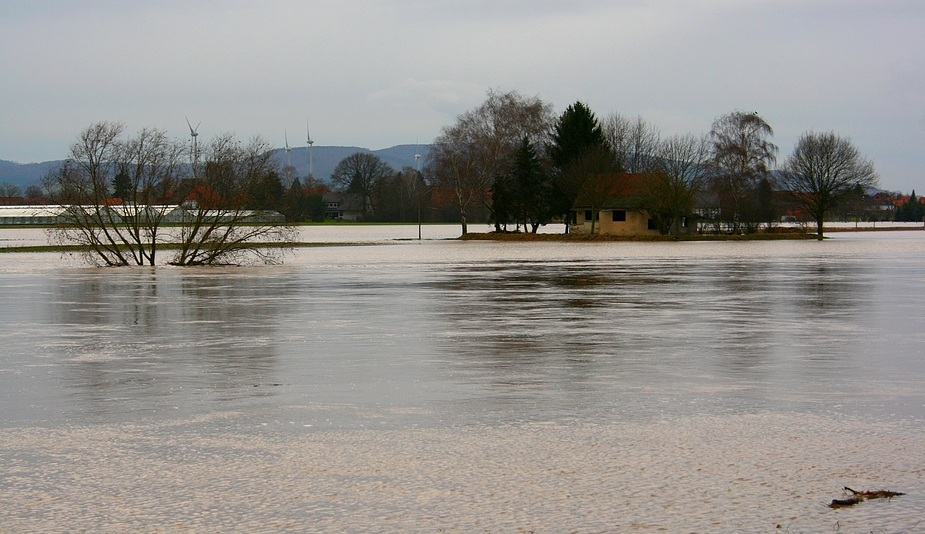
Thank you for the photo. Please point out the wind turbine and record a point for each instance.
(311, 154)
(288, 160)
(194, 133)
(417, 184)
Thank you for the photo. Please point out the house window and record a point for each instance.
(618, 215)
(587, 215)
(652, 225)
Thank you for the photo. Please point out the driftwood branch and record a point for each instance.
(859, 496)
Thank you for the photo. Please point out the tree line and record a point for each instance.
(527, 166)
(511, 158)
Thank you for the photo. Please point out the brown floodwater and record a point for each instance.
(696, 387)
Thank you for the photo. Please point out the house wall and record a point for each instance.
(636, 223)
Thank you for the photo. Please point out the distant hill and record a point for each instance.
(326, 158)
(24, 174)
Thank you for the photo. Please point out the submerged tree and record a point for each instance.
(213, 225)
(223, 220)
(824, 169)
(116, 230)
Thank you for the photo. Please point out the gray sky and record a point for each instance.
(382, 73)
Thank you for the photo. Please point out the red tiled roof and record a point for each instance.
(613, 190)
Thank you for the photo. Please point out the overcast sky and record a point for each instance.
(377, 74)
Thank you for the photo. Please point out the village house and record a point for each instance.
(343, 206)
(614, 201)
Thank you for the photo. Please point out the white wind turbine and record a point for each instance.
(288, 160)
(417, 184)
(311, 154)
(194, 133)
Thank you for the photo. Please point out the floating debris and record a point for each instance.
(858, 496)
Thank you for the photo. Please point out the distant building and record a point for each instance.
(117, 212)
(342, 206)
(30, 215)
(614, 201)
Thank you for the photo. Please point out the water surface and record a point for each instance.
(440, 336)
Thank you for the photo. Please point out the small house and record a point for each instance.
(614, 202)
(343, 206)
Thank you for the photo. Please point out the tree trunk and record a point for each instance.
(819, 228)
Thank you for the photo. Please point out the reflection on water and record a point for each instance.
(450, 331)
(570, 337)
(146, 339)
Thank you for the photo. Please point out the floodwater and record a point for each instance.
(470, 386)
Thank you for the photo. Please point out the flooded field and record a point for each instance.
(469, 386)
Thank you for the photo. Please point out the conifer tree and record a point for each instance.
(530, 187)
(912, 210)
(577, 134)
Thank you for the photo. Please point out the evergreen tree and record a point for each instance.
(265, 193)
(530, 187)
(766, 209)
(122, 185)
(911, 211)
(314, 206)
(577, 134)
(577, 130)
(502, 203)
(294, 207)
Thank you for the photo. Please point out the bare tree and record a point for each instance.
(824, 169)
(150, 167)
(83, 183)
(467, 156)
(220, 224)
(742, 154)
(359, 174)
(682, 168)
(9, 191)
(35, 194)
(634, 141)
